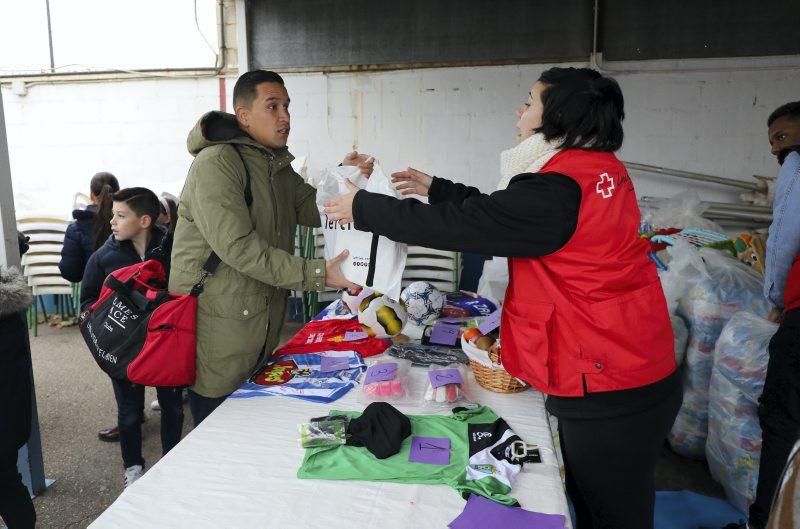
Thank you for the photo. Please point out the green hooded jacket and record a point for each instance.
(241, 310)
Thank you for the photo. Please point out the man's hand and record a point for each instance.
(412, 182)
(334, 277)
(364, 162)
(341, 207)
(775, 315)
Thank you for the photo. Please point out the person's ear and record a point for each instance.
(145, 221)
(242, 116)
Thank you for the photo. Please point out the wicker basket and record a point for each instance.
(496, 378)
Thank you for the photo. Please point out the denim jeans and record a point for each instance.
(202, 407)
(130, 415)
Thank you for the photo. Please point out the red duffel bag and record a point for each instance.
(138, 331)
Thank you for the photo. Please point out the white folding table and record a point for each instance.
(238, 470)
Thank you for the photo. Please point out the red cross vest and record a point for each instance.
(592, 316)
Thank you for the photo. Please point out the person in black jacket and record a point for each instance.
(135, 238)
(90, 229)
(16, 507)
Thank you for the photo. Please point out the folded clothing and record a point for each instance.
(425, 355)
(381, 429)
(330, 335)
(485, 456)
(305, 377)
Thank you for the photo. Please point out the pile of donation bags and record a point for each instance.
(714, 287)
(715, 294)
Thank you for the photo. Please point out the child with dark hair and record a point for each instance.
(91, 224)
(585, 320)
(135, 237)
(169, 212)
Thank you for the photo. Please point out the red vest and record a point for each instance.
(591, 316)
(791, 292)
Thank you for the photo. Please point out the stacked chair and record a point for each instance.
(40, 266)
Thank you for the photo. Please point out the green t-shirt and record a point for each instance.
(482, 456)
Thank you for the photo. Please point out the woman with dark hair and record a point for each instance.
(90, 229)
(584, 320)
(88, 233)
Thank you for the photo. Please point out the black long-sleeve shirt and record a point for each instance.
(535, 216)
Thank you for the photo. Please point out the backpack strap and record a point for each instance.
(213, 261)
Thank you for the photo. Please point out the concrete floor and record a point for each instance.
(75, 400)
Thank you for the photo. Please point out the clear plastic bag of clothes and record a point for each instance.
(681, 333)
(446, 387)
(386, 379)
(724, 287)
(324, 431)
(737, 379)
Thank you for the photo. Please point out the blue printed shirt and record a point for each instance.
(783, 243)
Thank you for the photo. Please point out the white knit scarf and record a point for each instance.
(528, 156)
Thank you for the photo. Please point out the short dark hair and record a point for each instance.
(141, 200)
(790, 110)
(244, 92)
(583, 107)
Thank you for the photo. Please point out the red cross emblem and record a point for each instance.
(605, 186)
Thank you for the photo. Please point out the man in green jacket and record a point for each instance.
(242, 308)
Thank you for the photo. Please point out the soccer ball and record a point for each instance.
(422, 301)
(380, 316)
(353, 298)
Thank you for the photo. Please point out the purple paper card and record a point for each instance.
(350, 336)
(482, 513)
(444, 334)
(441, 377)
(381, 373)
(329, 364)
(491, 322)
(430, 450)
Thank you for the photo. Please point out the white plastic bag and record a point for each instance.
(494, 280)
(685, 267)
(389, 256)
(684, 210)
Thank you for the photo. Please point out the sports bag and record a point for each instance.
(138, 331)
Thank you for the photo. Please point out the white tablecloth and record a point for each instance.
(238, 469)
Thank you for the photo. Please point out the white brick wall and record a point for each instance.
(451, 122)
(60, 135)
